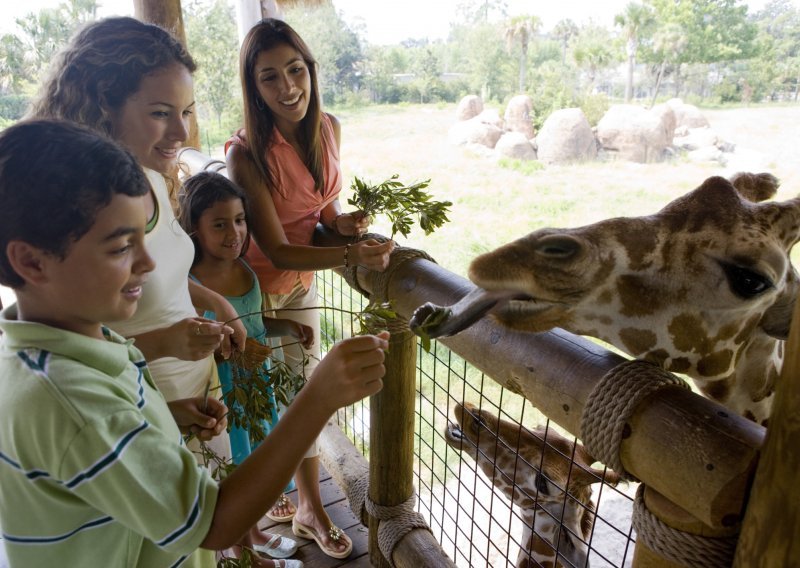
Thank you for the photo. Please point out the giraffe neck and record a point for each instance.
(547, 542)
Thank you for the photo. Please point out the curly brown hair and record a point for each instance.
(102, 65)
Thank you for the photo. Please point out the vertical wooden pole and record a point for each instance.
(771, 522)
(169, 15)
(391, 434)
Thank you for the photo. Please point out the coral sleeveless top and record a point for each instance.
(297, 203)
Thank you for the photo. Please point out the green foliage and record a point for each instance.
(334, 45)
(23, 59)
(212, 39)
(375, 318)
(12, 107)
(400, 203)
(594, 106)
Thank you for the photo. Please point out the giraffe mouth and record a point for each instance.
(433, 321)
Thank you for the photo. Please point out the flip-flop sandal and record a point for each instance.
(282, 501)
(284, 549)
(334, 533)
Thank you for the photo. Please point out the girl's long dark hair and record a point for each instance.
(200, 192)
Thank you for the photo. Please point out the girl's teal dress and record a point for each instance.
(254, 324)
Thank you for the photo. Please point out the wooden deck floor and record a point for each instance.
(338, 509)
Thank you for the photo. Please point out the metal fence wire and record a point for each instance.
(463, 502)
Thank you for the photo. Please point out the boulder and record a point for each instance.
(668, 119)
(491, 116)
(474, 131)
(566, 137)
(519, 116)
(687, 115)
(515, 145)
(633, 133)
(469, 107)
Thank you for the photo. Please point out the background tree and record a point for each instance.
(635, 21)
(593, 52)
(563, 31)
(668, 44)
(213, 41)
(335, 46)
(519, 32)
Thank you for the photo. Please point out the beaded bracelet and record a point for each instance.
(346, 254)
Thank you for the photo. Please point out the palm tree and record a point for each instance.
(635, 21)
(593, 52)
(522, 29)
(563, 31)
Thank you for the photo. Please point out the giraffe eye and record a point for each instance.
(541, 484)
(744, 282)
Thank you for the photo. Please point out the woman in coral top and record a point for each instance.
(287, 161)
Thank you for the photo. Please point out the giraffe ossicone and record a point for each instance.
(705, 287)
(547, 477)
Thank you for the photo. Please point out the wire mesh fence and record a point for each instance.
(467, 471)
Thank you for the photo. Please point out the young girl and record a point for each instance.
(213, 213)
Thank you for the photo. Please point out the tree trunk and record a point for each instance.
(658, 82)
(523, 60)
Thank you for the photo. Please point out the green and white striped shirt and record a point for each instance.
(93, 470)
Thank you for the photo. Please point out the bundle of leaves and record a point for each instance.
(251, 398)
(400, 203)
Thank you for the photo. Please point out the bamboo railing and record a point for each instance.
(697, 461)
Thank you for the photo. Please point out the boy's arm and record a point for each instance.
(350, 371)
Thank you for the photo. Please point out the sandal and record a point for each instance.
(284, 549)
(334, 533)
(283, 501)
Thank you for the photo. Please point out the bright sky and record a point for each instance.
(391, 21)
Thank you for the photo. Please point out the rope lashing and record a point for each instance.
(395, 522)
(380, 292)
(682, 548)
(611, 404)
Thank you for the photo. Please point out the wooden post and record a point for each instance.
(391, 433)
(771, 522)
(168, 15)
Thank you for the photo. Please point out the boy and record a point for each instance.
(93, 471)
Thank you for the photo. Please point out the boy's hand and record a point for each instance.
(351, 370)
(194, 339)
(191, 419)
(303, 333)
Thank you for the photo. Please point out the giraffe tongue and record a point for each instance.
(440, 321)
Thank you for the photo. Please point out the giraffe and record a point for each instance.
(704, 287)
(550, 482)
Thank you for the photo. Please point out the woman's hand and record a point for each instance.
(203, 417)
(225, 312)
(351, 224)
(371, 254)
(194, 339)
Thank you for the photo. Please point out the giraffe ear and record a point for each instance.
(755, 187)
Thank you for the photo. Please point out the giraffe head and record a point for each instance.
(704, 287)
(547, 476)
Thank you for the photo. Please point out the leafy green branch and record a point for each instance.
(400, 203)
